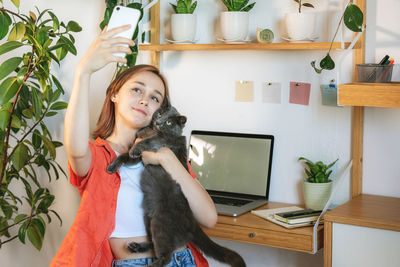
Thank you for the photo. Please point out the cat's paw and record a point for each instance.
(112, 168)
(133, 247)
(135, 154)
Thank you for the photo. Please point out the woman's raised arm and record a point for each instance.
(76, 123)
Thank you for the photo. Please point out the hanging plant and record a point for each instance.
(131, 58)
(353, 19)
(29, 93)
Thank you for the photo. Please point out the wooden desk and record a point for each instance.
(363, 212)
(249, 228)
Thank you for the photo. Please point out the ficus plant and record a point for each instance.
(352, 18)
(29, 93)
(238, 5)
(131, 58)
(184, 6)
(317, 172)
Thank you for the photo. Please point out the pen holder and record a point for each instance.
(374, 73)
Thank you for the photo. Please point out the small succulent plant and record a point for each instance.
(317, 172)
(238, 5)
(184, 6)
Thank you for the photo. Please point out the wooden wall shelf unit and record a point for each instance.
(245, 46)
(249, 228)
(371, 211)
(370, 94)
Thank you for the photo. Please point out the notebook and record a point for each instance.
(234, 168)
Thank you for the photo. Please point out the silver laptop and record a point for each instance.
(234, 168)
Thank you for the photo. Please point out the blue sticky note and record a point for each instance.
(329, 94)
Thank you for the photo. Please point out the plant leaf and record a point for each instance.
(49, 146)
(17, 32)
(35, 236)
(9, 66)
(327, 63)
(6, 47)
(59, 105)
(315, 68)
(37, 104)
(353, 18)
(73, 26)
(5, 22)
(8, 89)
(20, 156)
(16, 3)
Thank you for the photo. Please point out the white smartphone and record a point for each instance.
(122, 16)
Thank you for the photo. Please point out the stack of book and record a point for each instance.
(298, 216)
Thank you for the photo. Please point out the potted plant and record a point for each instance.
(235, 21)
(317, 186)
(300, 25)
(29, 93)
(353, 19)
(183, 22)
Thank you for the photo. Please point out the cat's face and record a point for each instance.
(168, 120)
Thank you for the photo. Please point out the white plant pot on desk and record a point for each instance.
(234, 25)
(300, 26)
(316, 194)
(183, 27)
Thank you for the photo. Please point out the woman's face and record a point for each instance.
(138, 98)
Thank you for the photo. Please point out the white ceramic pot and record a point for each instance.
(300, 26)
(234, 25)
(183, 27)
(316, 194)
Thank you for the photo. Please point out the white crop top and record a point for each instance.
(129, 213)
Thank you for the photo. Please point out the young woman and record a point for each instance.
(110, 213)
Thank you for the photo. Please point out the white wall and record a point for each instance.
(202, 88)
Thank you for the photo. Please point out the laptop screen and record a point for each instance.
(232, 162)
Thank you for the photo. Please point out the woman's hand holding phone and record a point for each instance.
(101, 50)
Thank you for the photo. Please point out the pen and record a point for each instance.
(372, 75)
(382, 62)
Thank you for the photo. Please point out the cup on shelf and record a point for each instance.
(374, 73)
(183, 27)
(234, 25)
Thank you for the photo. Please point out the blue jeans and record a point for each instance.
(182, 258)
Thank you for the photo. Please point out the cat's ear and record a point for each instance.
(166, 103)
(182, 120)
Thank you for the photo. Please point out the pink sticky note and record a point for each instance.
(299, 93)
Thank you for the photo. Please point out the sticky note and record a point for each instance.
(271, 92)
(329, 94)
(299, 93)
(244, 91)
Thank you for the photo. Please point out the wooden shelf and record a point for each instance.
(249, 228)
(369, 211)
(246, 46)
(370, 94)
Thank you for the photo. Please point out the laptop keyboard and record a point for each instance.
(229, 201)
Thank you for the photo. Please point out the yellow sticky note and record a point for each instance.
(244, 91)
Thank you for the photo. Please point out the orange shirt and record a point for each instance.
(86, 243)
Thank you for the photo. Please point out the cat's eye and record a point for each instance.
(168, 123)
(158, 115)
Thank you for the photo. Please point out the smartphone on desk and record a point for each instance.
(122, 16)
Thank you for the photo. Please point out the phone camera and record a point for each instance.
(117, 8)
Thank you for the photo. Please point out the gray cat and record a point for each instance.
(169, 221)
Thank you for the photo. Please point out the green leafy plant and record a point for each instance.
(238, 5)
(29, 93)
(184, 6)
(353, 19)
(131, 58)
(317, 172)
(300, 3)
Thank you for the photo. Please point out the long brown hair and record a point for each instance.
(105, 124)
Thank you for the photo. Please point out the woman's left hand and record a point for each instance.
(154, 158)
